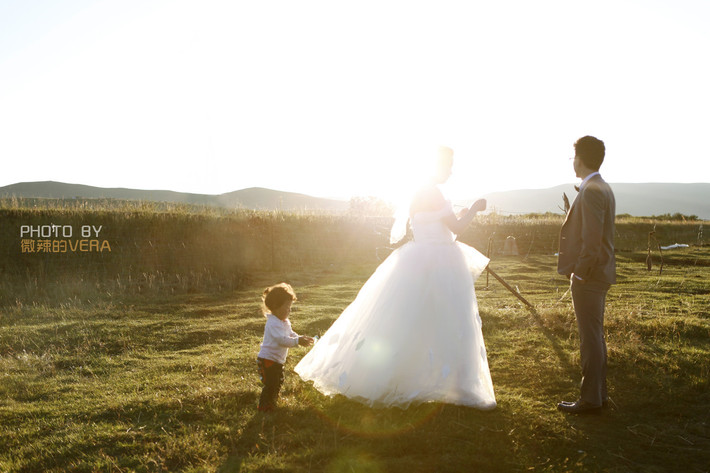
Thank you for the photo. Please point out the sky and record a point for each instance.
(351, 98)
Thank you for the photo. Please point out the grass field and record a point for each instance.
(160, 382)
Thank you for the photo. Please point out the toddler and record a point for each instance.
(278, 337)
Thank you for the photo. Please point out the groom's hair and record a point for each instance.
(591, 151)
(275, 296)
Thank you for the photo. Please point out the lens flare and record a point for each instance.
(351, 417)
(350, 460)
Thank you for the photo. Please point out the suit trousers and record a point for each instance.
(589, 300)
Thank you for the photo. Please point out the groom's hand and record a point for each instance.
(305, 341)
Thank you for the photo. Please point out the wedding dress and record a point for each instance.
(413, 333)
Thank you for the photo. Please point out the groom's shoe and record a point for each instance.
(606, 403)
(578, 407)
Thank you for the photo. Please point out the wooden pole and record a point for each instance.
(508, 287)
(488, 253)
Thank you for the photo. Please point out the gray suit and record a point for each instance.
(587, 250)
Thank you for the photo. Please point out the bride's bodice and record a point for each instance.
(429, 227)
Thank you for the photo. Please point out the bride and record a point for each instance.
(413, 333)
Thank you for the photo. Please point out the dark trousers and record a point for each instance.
(272, 376)
(589, 300)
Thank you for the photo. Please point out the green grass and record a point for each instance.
(168, 383)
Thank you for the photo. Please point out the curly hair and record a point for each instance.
(591, 151)
(275, 296)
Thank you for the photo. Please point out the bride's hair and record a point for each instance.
(275, 296)
(446, 152)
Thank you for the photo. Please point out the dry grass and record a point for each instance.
(149, 383)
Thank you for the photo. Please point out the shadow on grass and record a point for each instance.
(339, 435)
(559, 350)
(171, 435)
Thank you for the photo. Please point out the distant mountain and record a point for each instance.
(634, 199)
(61, 190)
(258, 198)
(255, 198)
(643, 199)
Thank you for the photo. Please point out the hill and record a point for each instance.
(255, 198)
(643, 199)
(258, 198)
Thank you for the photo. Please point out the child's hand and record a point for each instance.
(305, 341)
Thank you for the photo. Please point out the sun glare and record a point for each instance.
(207, 90)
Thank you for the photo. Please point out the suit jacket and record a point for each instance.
(587, 234)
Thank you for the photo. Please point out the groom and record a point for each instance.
(586, 256)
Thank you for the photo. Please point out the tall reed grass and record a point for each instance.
(176, 248)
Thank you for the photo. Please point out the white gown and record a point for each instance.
(413, 333)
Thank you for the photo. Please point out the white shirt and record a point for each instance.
(584, 181)
(278, 337)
